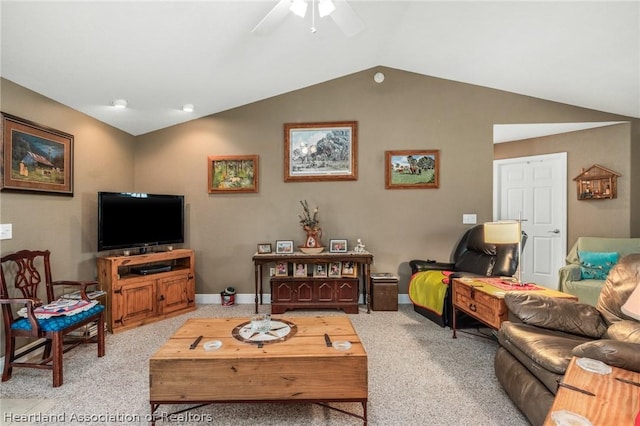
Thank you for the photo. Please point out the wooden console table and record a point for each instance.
(613, 402)
(363, 260)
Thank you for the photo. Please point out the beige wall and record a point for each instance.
(407, 111)
(607, 146)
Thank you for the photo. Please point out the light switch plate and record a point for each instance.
(6, 231)
(469, 219)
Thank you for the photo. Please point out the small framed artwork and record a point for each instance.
(338, 246)
(349, 269)
(284, 246)
(412, 169)
(320, 270)
(321, 151)
(232, 174)
(335, 269)
(264, 248)
(282, 269)
(300, 270)
(35, 158)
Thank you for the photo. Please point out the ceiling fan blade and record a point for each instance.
(273, 18)
(346, 18)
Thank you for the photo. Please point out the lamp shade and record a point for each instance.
(632, 306)
(506, 232)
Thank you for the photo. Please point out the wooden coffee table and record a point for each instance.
(295, 368)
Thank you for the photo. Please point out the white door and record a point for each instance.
(535, 190)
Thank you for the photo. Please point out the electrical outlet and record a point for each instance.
(469, 219)
(6, 231)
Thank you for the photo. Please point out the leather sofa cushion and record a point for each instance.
(550, 350)
(613, 352)
(556, 314)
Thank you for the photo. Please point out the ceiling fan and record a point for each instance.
(339, 10)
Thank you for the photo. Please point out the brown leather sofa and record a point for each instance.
(544, 333)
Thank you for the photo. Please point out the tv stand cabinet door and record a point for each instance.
(174, 294)
(133, 303)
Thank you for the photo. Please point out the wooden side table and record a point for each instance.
(485, 302)
(613, 402)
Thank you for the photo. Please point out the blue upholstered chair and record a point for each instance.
(26, 270)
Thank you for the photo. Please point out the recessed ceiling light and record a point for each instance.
(378, 77)
(120, 103)
(187, 107)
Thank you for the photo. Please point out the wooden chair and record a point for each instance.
(26, 269)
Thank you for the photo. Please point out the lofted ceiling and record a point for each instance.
(159, 55)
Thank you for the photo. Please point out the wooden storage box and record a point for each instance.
(384, 292)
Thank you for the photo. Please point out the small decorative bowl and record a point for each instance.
(311, 250)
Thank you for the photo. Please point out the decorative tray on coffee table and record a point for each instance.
(279, 331)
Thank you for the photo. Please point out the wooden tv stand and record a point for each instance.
(133, 300)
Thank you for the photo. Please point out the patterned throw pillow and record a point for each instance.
(596, 265)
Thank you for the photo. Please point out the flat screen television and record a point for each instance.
(130, 220)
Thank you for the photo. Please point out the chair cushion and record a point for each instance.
(596, 265)
(59, 322)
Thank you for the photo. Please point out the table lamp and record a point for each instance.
(632, 306)
(505, 232)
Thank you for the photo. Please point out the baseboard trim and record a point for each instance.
(249, 298)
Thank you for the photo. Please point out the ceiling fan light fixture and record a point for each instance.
(299, 8)
(120, 103)
(325, 7)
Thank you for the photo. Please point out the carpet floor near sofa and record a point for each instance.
(418, 375)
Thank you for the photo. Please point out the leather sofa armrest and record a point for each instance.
(556, 313)
(612, 352)
(625, 330)
(418, 265)
(568, 273)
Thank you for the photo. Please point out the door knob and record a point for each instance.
(555, 231)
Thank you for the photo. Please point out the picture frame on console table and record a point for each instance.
(264, 248)
(320, 270)
(335, 270)
(36, 158)
(232, 174)
(299, 269)
(349, 269)
(412, 169)
(338, 246)
(321, 151)
(284, 246)
(282, 269)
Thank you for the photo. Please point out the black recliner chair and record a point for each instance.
(471, 257)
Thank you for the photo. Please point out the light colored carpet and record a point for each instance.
(418, 375)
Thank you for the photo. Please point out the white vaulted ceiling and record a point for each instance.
(159, 55)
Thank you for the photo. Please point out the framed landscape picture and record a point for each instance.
(36, 158)
(232, 173)
(284, 246)
(320, 151)
(412, 169)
